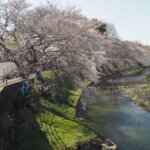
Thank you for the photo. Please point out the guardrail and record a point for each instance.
(8, 77)
(1, 79)
(8, 71)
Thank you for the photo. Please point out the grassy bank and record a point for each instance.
(47, 125)
(148, 78)
(131, 70)
(139, 94)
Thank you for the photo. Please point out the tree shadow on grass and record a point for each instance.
(73, 119)
(29, 135)
(41, 134)
(54, 135)
(19, 129)
(61, 98)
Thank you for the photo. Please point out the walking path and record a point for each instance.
(8, 69)
(9, 82)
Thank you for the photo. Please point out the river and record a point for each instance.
(120, 120)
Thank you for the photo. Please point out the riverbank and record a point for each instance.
(48, 125)
(139, 94)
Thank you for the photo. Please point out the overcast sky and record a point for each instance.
(131, 17)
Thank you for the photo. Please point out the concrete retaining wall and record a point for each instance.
(7, 116)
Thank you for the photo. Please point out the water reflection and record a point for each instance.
(120, 120)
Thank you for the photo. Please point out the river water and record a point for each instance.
(120, 120)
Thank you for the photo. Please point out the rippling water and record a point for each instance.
(120, 120)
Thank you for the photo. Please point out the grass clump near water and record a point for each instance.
(148, 78)
(53, 126)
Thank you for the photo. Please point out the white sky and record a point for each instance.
(130, 17)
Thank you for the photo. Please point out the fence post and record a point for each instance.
(6, 71)
(3, 76)
(6, 79)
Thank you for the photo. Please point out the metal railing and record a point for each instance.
(8, 73)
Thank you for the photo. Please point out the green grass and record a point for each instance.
(54, 126)
(86, 82)
(47, 75)
(131, 69)
(148, 78)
